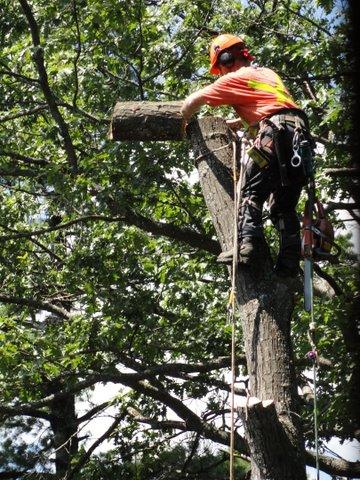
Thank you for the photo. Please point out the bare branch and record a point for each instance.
(193, 422)
(18, 76)
(18, 172)
(155, 423)
(47, 250)
(89, 116)
(93, 411)
(129, 378)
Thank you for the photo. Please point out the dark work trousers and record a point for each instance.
(260, 183)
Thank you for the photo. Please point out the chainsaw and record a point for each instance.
(317, 243)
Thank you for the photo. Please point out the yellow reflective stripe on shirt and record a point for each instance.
(279, 90)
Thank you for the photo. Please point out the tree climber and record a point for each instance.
(265, 107)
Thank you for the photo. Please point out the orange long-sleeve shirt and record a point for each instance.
(254, 92)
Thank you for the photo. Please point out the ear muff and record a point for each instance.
(226, 59)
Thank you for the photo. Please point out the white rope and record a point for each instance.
(313, 355)
(232, 299)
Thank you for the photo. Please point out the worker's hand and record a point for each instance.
(191, 105)
(235, 124)
(186, 111)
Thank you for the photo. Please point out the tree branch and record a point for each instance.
(331, 206)
(157, 424)
(18, 172)
(10, 73)
(38, 57)
(185, 235)
(89, 116)
(47, 250)
(61, 226)
(37, 304)
(93, 411)
(22, 114)
(23, 158)
(334, 466)
(193, 422)
(86, 456)
(9, 411)
(342, 172)
(78, 52)
(172, 368)
(298, 14)
(126, 378)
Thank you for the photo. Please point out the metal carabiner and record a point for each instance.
(296, 160)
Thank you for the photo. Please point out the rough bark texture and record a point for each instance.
(139, 121)
(274, 434)
(64, 426)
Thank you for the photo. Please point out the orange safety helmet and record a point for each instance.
(220, 43)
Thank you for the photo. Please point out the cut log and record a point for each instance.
(144, 121)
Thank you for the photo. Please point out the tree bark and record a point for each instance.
(64, 426)
(265, 306)
(139, 121)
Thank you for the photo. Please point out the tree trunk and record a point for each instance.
(147, 121)
(271, 423)
(273, 431)
(64, 427)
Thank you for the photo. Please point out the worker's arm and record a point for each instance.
(192, 104)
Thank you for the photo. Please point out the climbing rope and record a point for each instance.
(237, 184)
(313, 356)
(308, 252)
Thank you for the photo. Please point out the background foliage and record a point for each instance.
(96, 287)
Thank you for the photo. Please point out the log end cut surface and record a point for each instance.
(146, 121)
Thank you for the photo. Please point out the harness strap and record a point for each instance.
(248, 201)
